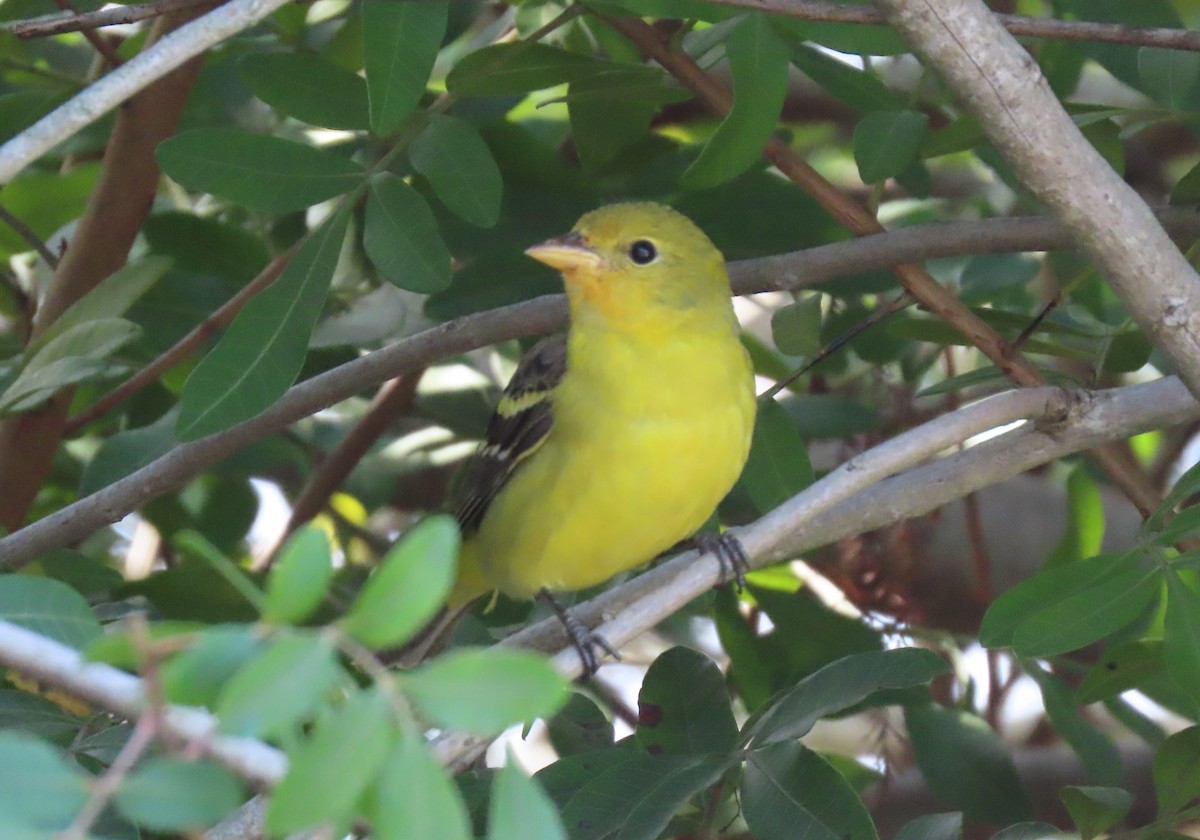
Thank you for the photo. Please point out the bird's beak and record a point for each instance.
(568, 253)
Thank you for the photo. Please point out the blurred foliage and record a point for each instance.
(409, 151)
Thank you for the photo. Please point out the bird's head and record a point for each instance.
(637, 264)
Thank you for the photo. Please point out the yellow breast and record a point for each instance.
(643, 447)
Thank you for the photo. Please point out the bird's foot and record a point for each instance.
(590, 646)
(731, 557)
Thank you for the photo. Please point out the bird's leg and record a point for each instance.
(731, 557)
(588, 645)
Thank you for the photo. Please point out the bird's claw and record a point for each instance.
(731, 557)
(590, 646)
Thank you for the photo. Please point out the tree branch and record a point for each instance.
(1000, 83)
(41, 27)
(913, 276)
(55, 664)
(797, 270)
(1020, 25)
(856, 497)
(830, 509)
(110, 91)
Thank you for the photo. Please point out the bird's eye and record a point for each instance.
(642, 252)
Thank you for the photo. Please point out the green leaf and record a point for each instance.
(887, 142)
(128, 451)
(1094, 810)
(305, 86)
(206, 245)
(933, 827)
(1097, 753)
(1028, 597)
(830, 415)
(328, 773)
(517, 685)
(855, 87)
(1087, 616)
(259, 172)
(683, 706)
(35, 715)
(966, 764)
(72, 357)
(777, 467)
(651, 809)
(169, 794)
(758, 61)
(1169, 75)
(611, 111)
(408, 588)
(796, 328)
(400, 43)
(987, 278)
(38, 785)
(518, 68)
(520, 809)
(1186, 485)
(460, 168)
(299, 577)
(1085, 527)
(48, 607)
(1121, 668)
(1182, 526)
(413, 797)
(1177, 771)
(580, 726)
(649, 790)
(261, 353)
(1181, 636)
(790, 791)
(110, 299)
(196, 676)
(401, 237)
(840, 685)
(278, 687)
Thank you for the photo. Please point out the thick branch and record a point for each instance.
(1001, 84)
(796, 526)
(797, 270)
(100, 245)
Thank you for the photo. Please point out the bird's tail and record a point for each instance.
(470, 583)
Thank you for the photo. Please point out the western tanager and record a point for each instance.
(614, 443)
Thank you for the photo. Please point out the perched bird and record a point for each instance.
(612, 444)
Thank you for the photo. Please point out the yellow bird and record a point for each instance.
(616, 442)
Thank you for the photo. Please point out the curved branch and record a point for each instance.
(827, 512)
(854, 498)
(1051, 29)
(111, 90)
(1001, 84)
(541, 315)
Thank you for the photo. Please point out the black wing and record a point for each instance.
(520, 424)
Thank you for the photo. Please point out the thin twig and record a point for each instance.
(40, 27)
(1050, 29)
(184, 347)
(31, 239)
(97, 41)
